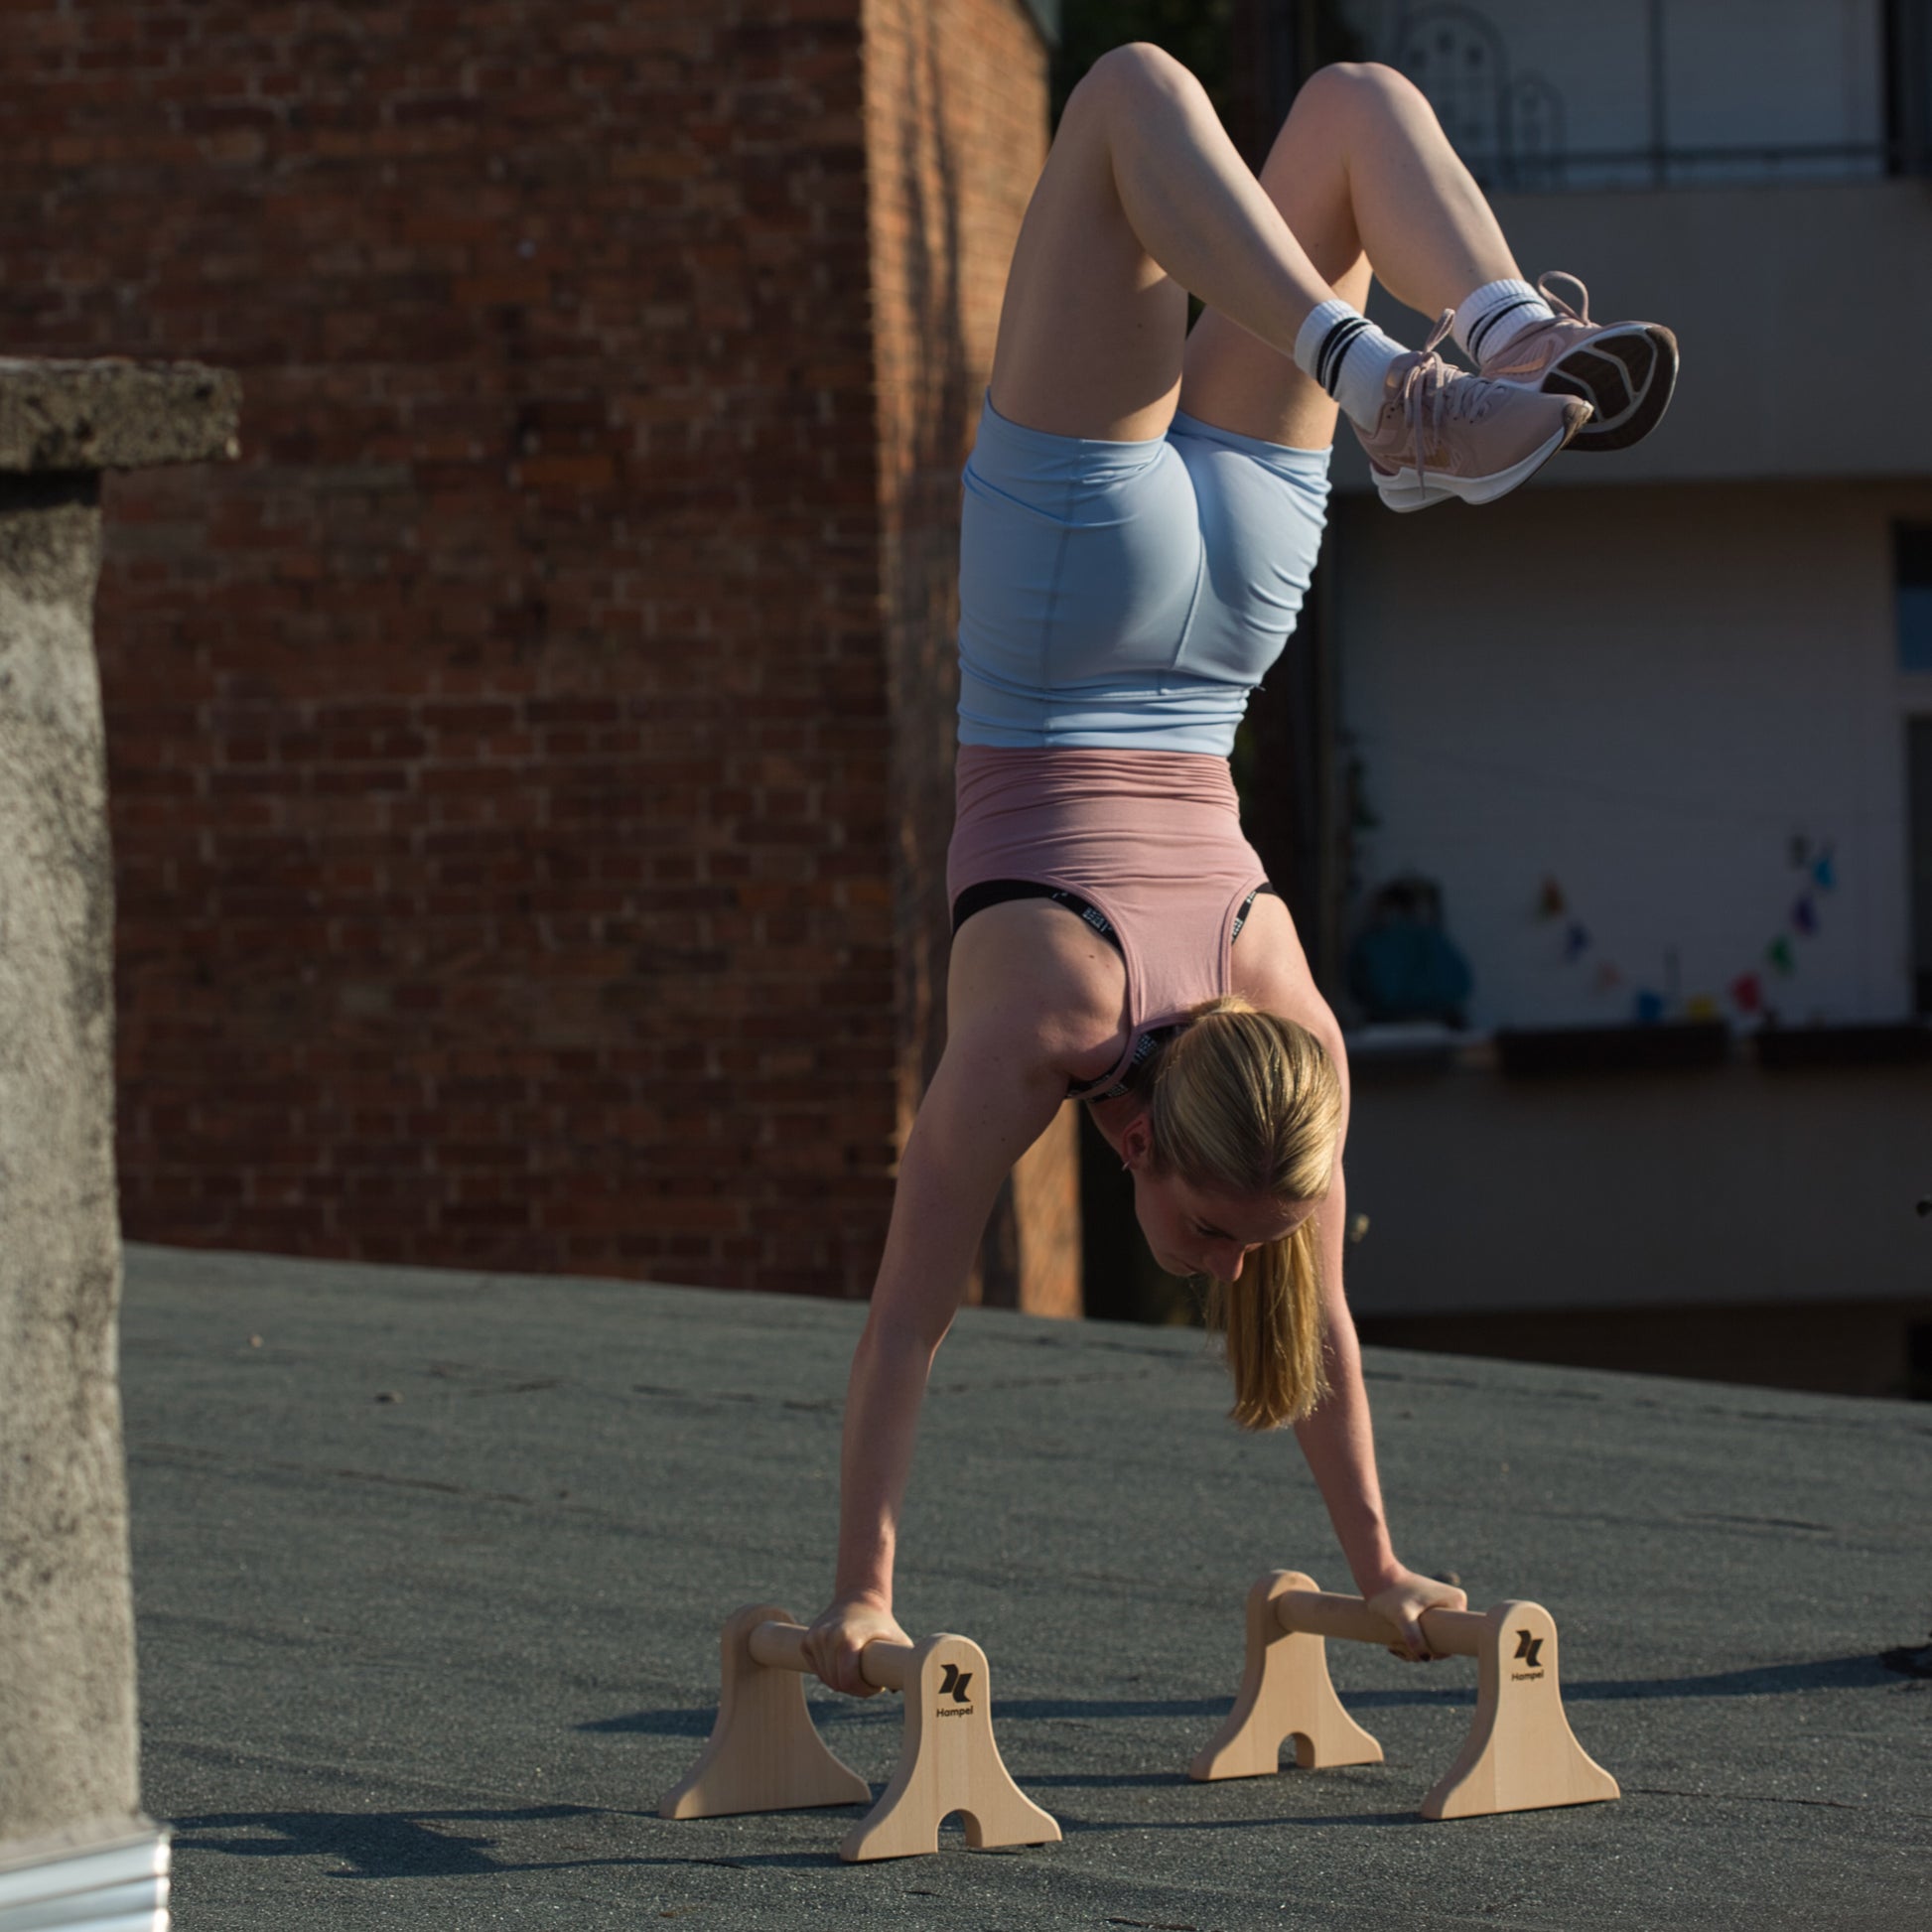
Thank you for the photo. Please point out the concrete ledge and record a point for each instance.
(115, 414)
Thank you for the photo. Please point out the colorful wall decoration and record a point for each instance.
(1748, 991)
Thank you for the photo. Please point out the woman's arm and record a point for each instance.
(1338, 1440)
(980, 1115)
(1000, 1084)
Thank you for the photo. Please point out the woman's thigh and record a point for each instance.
(1092, 329)
(1079, 563)
(1233, 380)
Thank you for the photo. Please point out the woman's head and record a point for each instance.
(1234, 1151)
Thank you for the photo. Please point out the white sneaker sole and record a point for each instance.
(1405, 490)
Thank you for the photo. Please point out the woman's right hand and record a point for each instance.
(838, 1637)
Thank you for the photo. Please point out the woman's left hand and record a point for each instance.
(1401, 1601)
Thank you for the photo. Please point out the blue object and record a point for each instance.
(1915, 627)
(1404, 971)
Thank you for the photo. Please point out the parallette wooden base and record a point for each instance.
(1520, 1753)
(1284, 1692)
(764, 1754)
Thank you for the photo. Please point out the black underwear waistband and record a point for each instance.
(996, 891)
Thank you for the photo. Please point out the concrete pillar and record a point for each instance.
(70, 1797)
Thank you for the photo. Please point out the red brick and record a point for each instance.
(503, 751)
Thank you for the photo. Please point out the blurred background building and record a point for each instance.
(1607, 814)
(531, 764)
(1658, 737)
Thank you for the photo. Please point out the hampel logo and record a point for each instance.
(955, 1685)
(1528, 1650)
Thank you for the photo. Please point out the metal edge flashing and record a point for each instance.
(119, 1887)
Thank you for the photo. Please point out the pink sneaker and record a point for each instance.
(1443, 433)
(1626, 370)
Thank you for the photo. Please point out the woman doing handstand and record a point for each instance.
(1142, 512)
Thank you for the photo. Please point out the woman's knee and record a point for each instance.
(1129, 74)
(1358, 87)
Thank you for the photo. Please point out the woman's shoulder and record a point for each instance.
(1270, 970)
(1036, 976)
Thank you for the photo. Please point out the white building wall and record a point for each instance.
(1646, 695)
(1769, 72)
(1645, 677)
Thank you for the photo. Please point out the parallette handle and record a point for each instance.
(782, 1646)
(1322, 1613)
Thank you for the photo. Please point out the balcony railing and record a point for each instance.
(1556, 94)
(1563, 170)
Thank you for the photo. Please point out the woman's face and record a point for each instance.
(1196, 1232)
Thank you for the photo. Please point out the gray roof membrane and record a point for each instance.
(430, 1569)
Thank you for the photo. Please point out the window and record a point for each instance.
(1912, 589)
(1918, 839)
(1912, 572)
(1655, 93)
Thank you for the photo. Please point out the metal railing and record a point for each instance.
(1508, 119)
(1686, 167)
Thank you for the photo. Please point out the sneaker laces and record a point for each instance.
(1580, 312)
(1441, 393)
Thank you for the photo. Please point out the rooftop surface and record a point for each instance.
(430, 1569)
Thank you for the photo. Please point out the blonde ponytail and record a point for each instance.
(1246, 1103)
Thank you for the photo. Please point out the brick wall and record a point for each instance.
(502, 753)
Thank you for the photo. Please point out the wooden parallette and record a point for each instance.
(1520, 1753)
(764, 1754)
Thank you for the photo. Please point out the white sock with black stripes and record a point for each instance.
(1494, 315)
(1349, 356)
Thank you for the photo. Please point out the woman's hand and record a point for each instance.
(1401, 1601)
(838, 1638)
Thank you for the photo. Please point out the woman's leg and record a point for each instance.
(1363, 175)
(1143, 198)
